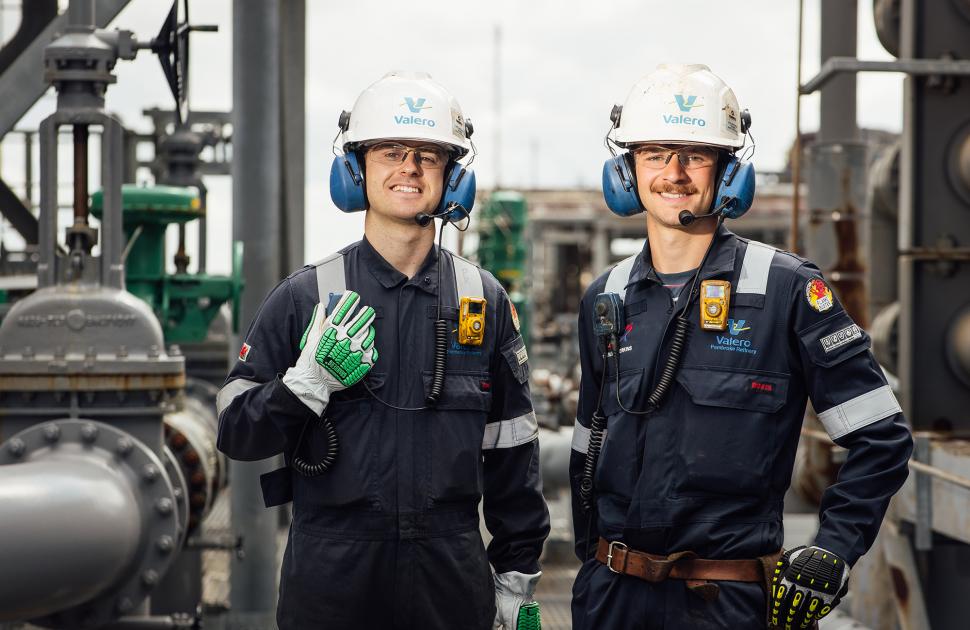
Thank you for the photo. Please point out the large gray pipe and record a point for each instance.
(69, 529)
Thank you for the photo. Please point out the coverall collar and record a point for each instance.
(426, 278)
(720, 262)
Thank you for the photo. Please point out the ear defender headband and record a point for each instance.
(348, 192)
(735, 188)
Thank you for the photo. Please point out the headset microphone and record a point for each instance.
(423, 218)
(686, 217)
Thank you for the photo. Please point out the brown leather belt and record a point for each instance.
(684, 565)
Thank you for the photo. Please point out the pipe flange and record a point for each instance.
(182, 494)
(150, 484)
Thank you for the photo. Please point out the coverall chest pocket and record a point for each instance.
(728, 436)
(352, 480)
(616, 470)
(455, 433)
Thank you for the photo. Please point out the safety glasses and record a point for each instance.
(657, 157)
(428, 157)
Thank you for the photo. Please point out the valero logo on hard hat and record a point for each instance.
(415, 105)
(674, 119)
(688, 103)
(685, 104)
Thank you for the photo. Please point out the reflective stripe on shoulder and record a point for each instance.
(620, 276)
(859, 412)
(330, 277)
(755, 268)
(468, 278)
(230, 390)
(509, 433)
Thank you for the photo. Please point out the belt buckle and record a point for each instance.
(609, 555)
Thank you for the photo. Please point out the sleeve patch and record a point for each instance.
(840, 338)
(517, 358)
(244, 352)
(819, 295)
(515, 318)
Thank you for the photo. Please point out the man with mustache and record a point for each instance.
(698, 356)
(389, 455)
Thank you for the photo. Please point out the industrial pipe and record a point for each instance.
(70, 528)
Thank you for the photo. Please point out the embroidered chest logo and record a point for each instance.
(458, 349)
(625, 339)
(737, 340)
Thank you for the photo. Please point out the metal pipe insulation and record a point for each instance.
(70, 528)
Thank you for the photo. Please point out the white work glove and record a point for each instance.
(808, 583)
(512, 591)
(336, 353)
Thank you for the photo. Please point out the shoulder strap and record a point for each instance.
(620, 276)
(468, 278)
(755, 268)
(330, 277)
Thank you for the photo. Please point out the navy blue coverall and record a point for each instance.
(708, 471)
(389, 536)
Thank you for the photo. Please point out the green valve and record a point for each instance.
(529, 618)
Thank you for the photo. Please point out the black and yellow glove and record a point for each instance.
(808, 583)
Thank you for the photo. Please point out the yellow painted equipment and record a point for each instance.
(715, 301)
(471, 321)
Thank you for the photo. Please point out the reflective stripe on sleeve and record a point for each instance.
(581, 438)
(229, 392)
(755, 268)
(509, 433)
(859, 412)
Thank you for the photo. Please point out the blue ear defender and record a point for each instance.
(735, 191)
(347, 183)
(458, 197)
(620, 186)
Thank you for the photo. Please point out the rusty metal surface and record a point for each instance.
(908, 597)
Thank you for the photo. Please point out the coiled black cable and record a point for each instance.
(439, 361)
(596, 429)
(677, 344)
(597, 426)
(332, 447)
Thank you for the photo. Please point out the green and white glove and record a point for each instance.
(337, 352)
(512, 591)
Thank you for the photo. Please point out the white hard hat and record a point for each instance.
(406, 106)
(680, 103)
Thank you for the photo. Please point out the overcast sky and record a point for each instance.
(563, 66)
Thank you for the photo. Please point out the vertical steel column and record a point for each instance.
(256, 222)
(112, 176)
(47, 244)
(293, 126)
(837, 121)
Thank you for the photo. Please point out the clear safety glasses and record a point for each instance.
(428, 157)
(657, 157)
